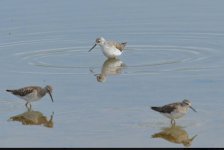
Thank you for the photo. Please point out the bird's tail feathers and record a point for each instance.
(124, 43)
(9, 90)
(155, 108)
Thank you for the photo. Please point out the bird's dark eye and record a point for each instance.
(97, 41)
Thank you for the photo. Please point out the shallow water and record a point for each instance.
(174, 52)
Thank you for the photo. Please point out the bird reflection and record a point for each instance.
(175, 134)
(31, 117)
(111, 66)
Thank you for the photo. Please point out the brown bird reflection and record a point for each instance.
(111, 66)
(175, 134)
(31, 117)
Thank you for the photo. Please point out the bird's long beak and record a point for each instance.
(193, 137)
(193, 109)
(51, 96)
(93, 47)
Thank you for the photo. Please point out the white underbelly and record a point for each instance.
(111, 52)
(30, 97)
(174, 115)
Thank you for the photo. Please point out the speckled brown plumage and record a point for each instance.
(24, 91)
(32, 93)
(120, 46)
(167, 108)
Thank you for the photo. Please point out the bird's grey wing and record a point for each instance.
(22, 91)
(121, 46)
(118, 45)
(169, 108)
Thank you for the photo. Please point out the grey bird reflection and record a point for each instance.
(175, 134)
(31, 117)
(112, 66)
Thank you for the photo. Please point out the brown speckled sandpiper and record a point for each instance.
(174, 110)
(32, 93)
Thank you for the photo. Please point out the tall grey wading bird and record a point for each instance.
(32, 93)
(110, 49)
(174, 110)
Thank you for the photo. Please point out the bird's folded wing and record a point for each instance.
(22, 91)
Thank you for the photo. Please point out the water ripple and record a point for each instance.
(140, 59)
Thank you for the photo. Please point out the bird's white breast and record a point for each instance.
(30, 97)
(110, 52)
(174, 115)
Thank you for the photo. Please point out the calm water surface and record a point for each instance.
(174, 52)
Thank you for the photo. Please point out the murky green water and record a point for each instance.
(174, 52)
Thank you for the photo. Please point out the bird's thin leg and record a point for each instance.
(28, 107)
(173, 122)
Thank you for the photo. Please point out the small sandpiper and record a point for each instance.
(32, 93)
(174, 110)
(111, 49)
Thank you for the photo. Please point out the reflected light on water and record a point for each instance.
(32, 117)
(109, 67)
(175, 134)
(146, 59)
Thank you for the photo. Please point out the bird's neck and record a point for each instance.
(42, 92)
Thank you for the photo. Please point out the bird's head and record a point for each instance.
(99, 41)
(188, 103)
(101, 78)
(49, 90)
